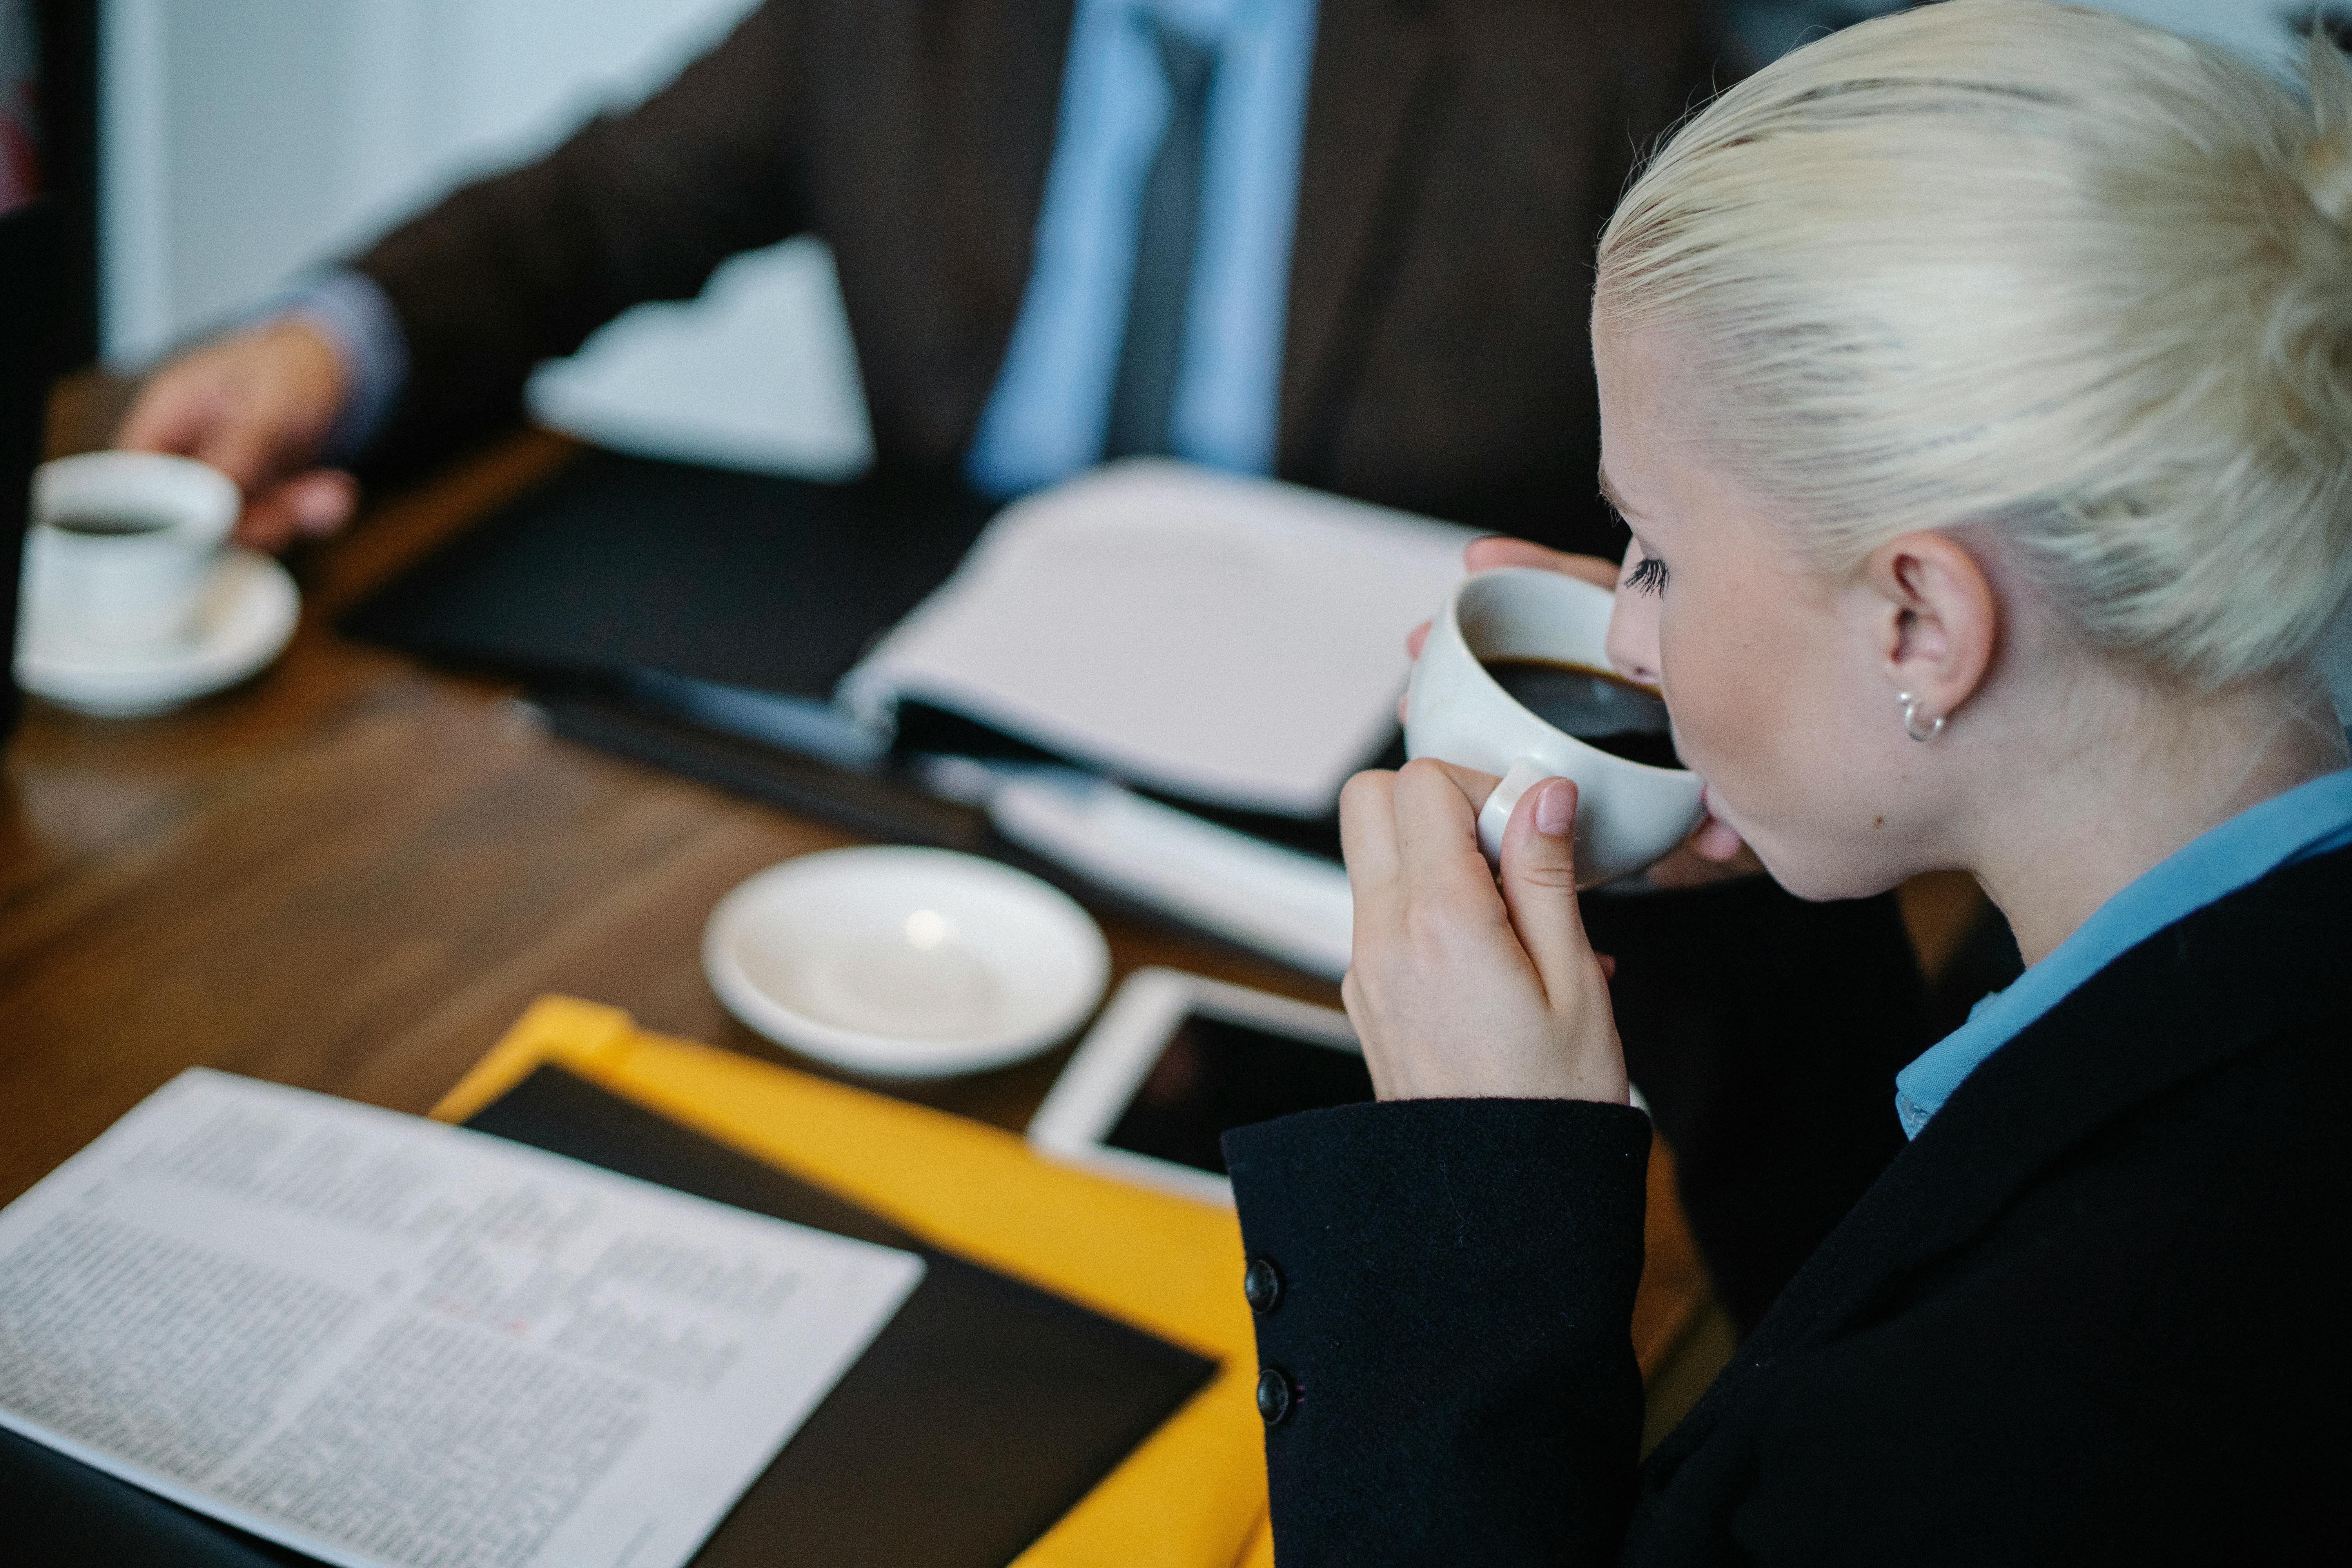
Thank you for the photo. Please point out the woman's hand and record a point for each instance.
(1495, 550)
(1460, 988)
(1713, 853)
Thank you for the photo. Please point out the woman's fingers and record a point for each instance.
(1367, 838)
(1414, 641)
(1437, 831)
(1474, 785)
(1713, 853)
(1485, 554)
(1448, 1001)
(1372, 834)
(1539, 882)
(1717, 840)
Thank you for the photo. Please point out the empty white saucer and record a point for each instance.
(905, 962)
(249, 611)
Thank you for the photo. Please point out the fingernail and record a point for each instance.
(1556, 807)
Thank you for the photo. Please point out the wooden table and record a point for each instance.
(354, 873)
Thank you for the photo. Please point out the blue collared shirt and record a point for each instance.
(352, 310)
(2310, 819)
(1051, 406)
(1048, 413)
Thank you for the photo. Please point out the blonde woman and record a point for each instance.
(1977, 384)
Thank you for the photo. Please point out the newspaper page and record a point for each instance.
(384, 1341)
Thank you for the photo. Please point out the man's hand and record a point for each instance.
(1460, 987)
(1714, 852)
(258, 405)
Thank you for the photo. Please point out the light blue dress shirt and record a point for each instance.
(2310, 819)
(1047, 415)
(351, 310)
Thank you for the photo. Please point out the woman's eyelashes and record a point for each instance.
(1648, 575)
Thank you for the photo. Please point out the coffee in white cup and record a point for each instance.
(1544, 636)
(122, 546)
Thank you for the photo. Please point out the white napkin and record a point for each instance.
(1235, 641)
(756, 372)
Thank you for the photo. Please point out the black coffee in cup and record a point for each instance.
(1598, 707)
(109, 524)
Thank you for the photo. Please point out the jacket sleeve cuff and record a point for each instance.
(1445, 1291)
(356, 315)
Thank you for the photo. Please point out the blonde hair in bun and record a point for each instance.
(2038, 270)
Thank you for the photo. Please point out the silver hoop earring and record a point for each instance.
(1911, 725)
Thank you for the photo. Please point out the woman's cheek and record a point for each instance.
(1719, 712)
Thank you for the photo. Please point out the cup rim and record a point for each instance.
(1478, 663)
(203, 500)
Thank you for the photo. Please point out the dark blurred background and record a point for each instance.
(175, 165)
(48, 247)
(247, 142)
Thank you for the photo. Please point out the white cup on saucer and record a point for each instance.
(1629, 814)
(123, 545)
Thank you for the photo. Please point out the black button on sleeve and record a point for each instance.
(1458, 1276)
(1273, 1394)
(1261, 1286)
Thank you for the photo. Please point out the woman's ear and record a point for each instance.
(1940, 619)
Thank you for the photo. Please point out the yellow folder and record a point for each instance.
(1194, 1494)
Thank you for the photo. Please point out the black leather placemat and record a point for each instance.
(621, 563)
(979, 1415)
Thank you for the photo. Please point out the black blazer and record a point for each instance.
(1460, 157)
(2094, 1313)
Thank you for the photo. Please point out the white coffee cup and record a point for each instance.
(1629, 814)
(123, 544)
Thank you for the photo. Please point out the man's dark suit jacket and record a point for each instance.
(1460, 158)
(2093, 1314)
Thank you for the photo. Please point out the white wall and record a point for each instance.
(246, 141)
